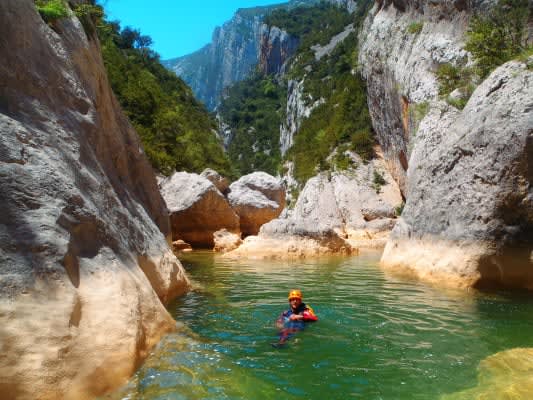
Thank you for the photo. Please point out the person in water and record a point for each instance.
(293, 320)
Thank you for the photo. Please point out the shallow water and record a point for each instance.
(378, 337)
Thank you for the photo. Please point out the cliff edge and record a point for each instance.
(85, 269)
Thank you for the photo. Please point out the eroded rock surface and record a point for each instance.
(84, 265)
(402, 45)
(333, 215)
(257, 198)
(220, 182)
(226, 241)
(468, 219)
(197, 209)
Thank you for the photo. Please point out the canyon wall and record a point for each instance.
(466, 174)
(85, 264)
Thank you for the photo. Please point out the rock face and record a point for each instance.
(332, 215)
(276, 47)
(84, 265)
(226, 241)
(235, 51)
(299, 107)
(197, 209)
(468, 220)
(230, 57)
(399, 66)
(220, 182)
(257, 198)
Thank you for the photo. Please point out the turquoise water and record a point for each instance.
(378, 337)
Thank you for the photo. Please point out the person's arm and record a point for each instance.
(296, 317)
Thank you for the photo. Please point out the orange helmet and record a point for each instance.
(295, 294)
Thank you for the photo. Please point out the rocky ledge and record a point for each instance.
(335, 214)
(468, 220)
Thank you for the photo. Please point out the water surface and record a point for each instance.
(379, 337)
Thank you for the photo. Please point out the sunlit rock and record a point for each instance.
(468, 219)
(85, 267)
(402, 44)
(257, 198)
(197, 209)
(504, 375)
(226, 241)
(220, 182)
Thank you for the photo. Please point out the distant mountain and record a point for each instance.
(233, 52)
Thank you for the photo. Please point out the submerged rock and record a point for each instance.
(257, 198)
(468, 219)
(504, 375)
(85, 267)
(197, 209)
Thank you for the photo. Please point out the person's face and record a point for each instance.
(295, 302)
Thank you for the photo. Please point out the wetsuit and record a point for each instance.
(291, 327)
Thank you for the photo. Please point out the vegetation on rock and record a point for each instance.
(254, 109)
(52, 10)
(176, 130)
(415, 28)
(500, 35)
(340, 119)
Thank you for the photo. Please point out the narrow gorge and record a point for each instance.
(377, 155)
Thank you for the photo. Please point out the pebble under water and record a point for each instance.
(379, 337)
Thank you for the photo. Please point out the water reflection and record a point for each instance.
(379, 337)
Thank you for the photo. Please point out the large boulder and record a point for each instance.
(402, 43)
(333, 214)
(85, 267)
(220, 182)
(197, 209)
(257, 198)
(468, 219)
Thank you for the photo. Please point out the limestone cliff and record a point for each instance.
(399, 64)
(236, 49)
(468, 219)
(465, 173)
(230, 57)
(84, 265)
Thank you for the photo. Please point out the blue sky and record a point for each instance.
(177, 27)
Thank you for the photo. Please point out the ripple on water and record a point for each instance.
(378, 337)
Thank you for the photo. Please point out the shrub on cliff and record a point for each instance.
(254, 109)
(176, 130)
(52, 10)
(498, 36)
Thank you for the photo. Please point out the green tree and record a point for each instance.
(176, 130)
(498, 36)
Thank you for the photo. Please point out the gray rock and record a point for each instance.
(299, 107)
(321, 51)
(220, 182)
(468, 219)
(399, 66)
(85, 266)
(345, 203)
(257, 198)
(236, 49)
(197, 209)
(277, 46)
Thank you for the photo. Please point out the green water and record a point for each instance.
(379, 337)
